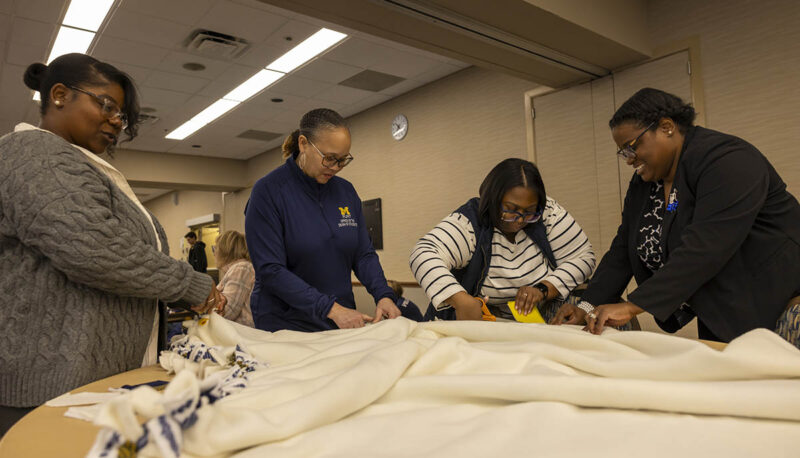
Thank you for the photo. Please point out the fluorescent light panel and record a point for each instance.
(83, 18)
(87, 14)
(253, 86)
(307, 50)
(297, 56)
(214, 111)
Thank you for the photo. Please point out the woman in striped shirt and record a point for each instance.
(512, 243)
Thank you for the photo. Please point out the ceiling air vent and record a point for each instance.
(215, 44)
(145, 118)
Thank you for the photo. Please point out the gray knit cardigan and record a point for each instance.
(79, 272)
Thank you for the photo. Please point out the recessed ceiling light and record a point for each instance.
(194, 66)
(70, 40)
(276, 100)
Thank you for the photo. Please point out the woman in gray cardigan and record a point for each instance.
(82, 263)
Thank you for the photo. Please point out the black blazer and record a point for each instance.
(731, 248)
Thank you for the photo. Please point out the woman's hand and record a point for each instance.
(346, 318)
(215, 302)
(527, 298)
(386, 309)
(467, 307)
(569, 314)
(612, 315)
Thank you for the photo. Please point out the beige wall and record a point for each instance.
(750, 54)
(191, 204)
(459, 128)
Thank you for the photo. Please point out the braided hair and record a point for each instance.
(650, 105)
(313, 121)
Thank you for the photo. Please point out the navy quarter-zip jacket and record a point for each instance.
(304, 239)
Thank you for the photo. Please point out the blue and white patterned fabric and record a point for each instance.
(183, 397)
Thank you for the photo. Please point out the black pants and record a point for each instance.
(10, 415)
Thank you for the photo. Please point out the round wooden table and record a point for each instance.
(46, 432)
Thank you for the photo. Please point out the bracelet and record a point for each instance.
(585, 306)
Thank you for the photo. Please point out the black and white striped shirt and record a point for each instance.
(451, 243)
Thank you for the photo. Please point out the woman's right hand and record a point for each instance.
(215, 301)
(571, 313)
(346, 318)
(467, 307)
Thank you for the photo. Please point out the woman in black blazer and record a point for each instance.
(708, 229)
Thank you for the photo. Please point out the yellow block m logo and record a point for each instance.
(345, 211)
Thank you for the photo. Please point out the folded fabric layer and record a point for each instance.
(443, 385)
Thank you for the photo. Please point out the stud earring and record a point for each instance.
(58, 103)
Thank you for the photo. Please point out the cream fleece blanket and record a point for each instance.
(399, 388)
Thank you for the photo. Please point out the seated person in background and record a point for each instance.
(407, 308)
(708, 230)
(236, 276)
(197, 253)
(306, 236)
(511, 244)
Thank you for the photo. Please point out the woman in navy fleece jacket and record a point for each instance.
(305, 232)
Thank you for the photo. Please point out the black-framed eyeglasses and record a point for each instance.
(109, 108)
(330, 159)
(526, 217)
(628, 151)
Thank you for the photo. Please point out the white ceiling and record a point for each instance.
(145, 38)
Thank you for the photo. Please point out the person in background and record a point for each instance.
(708, 230)
(407, 308)
(306, 236)
(237, 276)
(197, 253)
(82, 262)
(513, 243)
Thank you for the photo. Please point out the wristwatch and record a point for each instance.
(543, 288)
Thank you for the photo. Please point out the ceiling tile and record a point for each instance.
(262, 6)
(11, 84)
(5, 25)
(155, 97)
(301, 87)
(140, 54)
(249, 115)
(32, 33)
(41, 10)
(369, 102)
(438, 72)
(343, 95)
(173, 82)
(260, 55)
(183, 11)
(361, 53)
(241, 21)
(20, 54)
(327, 71)
(233, 76)
(138, 74)
(370, 80)
(403, 87)
(147, 29)
(406, 65)
(296, 30)
(173, 63)
(7, 6)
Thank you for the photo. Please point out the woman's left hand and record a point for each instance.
(612, 315)
(386, 309)
(527, 298)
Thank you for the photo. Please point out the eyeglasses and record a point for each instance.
(109, 108)
(330, 159)
(629, 151)
(526, 217)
